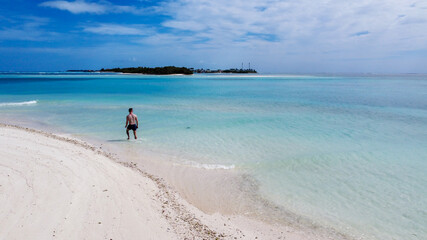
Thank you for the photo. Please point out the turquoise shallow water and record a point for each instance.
(345, 151)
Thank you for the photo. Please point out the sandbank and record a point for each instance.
(56, 187)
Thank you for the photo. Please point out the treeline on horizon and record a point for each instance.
(168, 70)
(155, 71)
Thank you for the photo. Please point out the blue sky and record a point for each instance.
(295, 36)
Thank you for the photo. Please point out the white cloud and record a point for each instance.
(115, 29)
(81, 6)
(278, 35)
(76, 7)
(30, 28)
(322, 35)
(308, 25)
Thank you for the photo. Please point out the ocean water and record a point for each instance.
(345, 152)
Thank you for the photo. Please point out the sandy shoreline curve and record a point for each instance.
(55, 187)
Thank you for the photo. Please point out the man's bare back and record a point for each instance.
(131, 123)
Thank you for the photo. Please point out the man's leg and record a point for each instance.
(134, 133)
(127, 132)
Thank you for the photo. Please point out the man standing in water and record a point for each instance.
(131, 123)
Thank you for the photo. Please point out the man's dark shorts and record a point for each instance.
(132, 127)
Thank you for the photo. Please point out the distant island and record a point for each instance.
(168, 70)
(153, 71)
(231, 70)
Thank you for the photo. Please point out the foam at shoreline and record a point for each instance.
(32, 102)
(210, 166)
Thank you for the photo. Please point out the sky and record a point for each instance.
(275, 36)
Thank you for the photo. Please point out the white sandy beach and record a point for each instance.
(53, 187)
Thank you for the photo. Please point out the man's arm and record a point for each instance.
(127, 120)
(137, 124)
